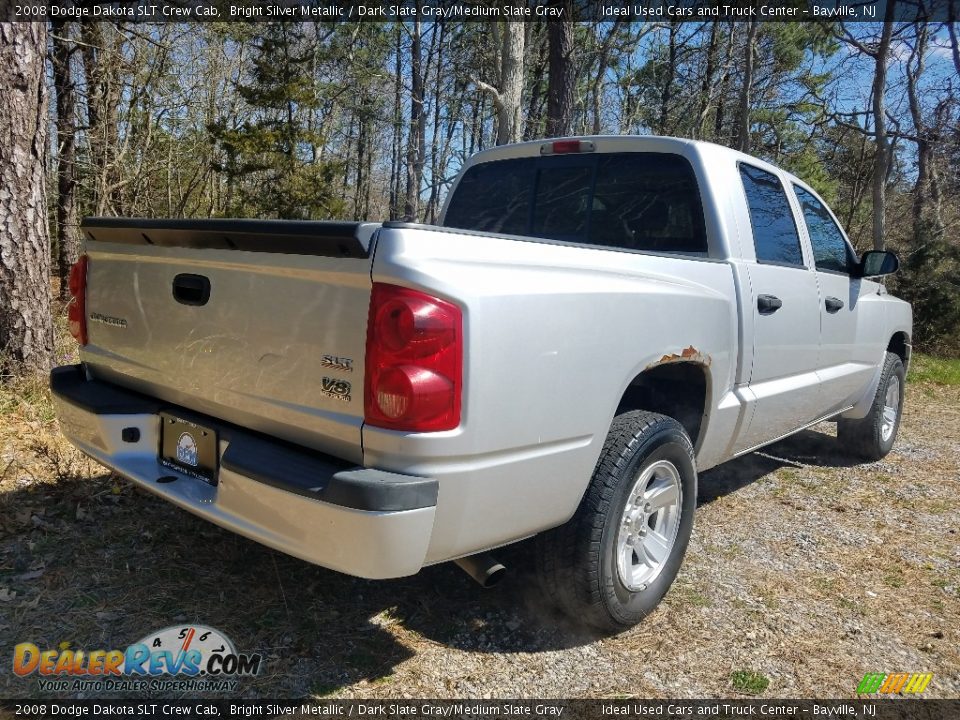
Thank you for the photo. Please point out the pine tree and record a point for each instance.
(275, 158)
(26, 326)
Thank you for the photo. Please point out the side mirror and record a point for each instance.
(875, 263)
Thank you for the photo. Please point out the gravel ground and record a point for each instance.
(803, 568)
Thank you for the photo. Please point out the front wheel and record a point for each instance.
(613, 562)
(872, 437)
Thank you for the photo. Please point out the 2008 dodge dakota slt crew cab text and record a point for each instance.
(596, 320)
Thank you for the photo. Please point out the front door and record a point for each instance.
(844, 371)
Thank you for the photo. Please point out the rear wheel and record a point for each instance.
(612, 563)
(872, 437)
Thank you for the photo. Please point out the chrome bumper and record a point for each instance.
(359, 521)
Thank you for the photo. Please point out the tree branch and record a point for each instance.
(484, 87)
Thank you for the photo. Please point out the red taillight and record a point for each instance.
(414, 361)
(77, 309)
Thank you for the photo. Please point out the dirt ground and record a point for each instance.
(804, 569)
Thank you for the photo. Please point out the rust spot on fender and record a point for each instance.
(688, 354)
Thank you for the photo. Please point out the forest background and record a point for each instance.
(373, 120)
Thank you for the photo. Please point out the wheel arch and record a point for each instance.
(900, 346)
(677, 389)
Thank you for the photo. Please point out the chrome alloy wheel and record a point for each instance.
(891, 409)
(648, 528)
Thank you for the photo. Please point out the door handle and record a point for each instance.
(191, 289)
(768, 304)
(834, 304)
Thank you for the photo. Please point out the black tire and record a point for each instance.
(577, 562)
(864, 438)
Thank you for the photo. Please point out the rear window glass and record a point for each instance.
(494, 197)
(635, 201)
(775, 235)
(562, 206)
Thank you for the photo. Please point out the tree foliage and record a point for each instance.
(273, 160)
(372, 121)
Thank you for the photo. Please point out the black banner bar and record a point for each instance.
(477, 10)
(862, 709)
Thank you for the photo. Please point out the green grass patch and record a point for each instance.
(942, 371)
(825, 584)
(788, 474)
(749, 682)
(27, 397)
(848, 604)
(686, 595)
(894, 580)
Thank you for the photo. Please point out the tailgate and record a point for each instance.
(257, 323)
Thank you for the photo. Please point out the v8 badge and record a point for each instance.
(337, 389)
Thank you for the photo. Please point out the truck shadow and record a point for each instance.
(806, 448)
(100, 564)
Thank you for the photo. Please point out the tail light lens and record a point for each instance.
(77, 309)
(414, 362)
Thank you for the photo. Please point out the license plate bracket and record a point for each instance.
(188, 447)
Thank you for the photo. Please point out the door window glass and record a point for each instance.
(774, 231)
(830, 249)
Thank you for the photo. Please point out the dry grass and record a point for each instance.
(804, 572)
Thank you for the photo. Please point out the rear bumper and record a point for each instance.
(360, 521)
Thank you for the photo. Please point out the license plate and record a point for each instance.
(188, 448)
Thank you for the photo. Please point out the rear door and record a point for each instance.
(784, 299)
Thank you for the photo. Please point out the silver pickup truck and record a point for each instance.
(594, 321)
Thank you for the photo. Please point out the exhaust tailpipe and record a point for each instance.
(483, 568)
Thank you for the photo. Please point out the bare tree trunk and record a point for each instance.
(509, 128)
(914, 71)
(26, 325)
(507, 97)
(666, 92)
(722, 89)
(476, 125)
(860, 182)
(603, 62)
(439, 38)
(102, 44)
(395, 148)
(416, 140)
(562, 75)
(927, 214)
(534, 126)
(361, 181)
(68, 230)
(707, 83)
(952, 31)
(743, 118)
(881, 161)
